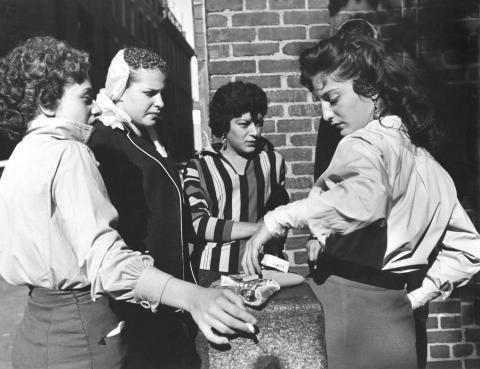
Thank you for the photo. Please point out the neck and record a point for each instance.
(238, 161)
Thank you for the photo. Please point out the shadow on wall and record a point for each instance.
(442, 37)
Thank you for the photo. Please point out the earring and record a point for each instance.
(376, 112)
(224, 141)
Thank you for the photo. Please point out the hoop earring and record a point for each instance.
(224, 141)
(376, 112)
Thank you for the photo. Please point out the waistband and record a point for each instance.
(328, 265)
(48, 295)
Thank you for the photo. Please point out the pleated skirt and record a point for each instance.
(67, 330)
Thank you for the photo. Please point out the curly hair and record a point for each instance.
(35, 74)
(231, 101)
(139, 58)
(373, 72)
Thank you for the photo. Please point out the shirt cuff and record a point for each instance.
(149, 289)
(424, 294)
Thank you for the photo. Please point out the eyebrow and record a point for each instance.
(328, 93)
(88, 90)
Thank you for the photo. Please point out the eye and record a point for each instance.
(259, 123)
(88, 99)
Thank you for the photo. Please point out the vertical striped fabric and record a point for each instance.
(218, 197)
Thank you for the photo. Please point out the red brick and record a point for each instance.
(287, 4)
(255, 19)
(306, 17)
(319, 32)
(295, 48)
(218, 51)
(450, 322)
(439, 351)
(275, 111)
(444, 336)
(216, 20)
(318, 4)
(252, 49)
(256, 4)
(232, 67)
(282, 33)
(300, 257)
(218, 81)
(266, 81)
(449, 307)
(450, 364)
(287, 96)
(306, 110)
(472, 363)
(268, 126)
(294, 125)
(230, 35)
(316, 124)
(275, 66)
(432, 322)
(294, 80)
(294, 196)
(276, 140)
(295, 243)
(463, 350)
(467, 293)
(304, 140)
(472, 334)
(296, 154)
(299, 183)
(303, 270)
(221, 5)
(468, 314)
(302, 168)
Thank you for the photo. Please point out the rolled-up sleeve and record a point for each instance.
(352, 193)
(88, 219)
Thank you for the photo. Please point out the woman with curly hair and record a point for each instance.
(57, 225)
(379, 209)
(232, 188)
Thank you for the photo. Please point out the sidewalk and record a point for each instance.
(12, 304)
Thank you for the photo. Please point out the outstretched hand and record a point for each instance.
(219, 309)
(253, 247)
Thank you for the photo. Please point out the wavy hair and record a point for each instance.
(34, 74)
(231, 101)
(140, 58)
(373, 71)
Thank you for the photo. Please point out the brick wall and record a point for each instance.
(260, 40)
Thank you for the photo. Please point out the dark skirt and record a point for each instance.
(67, 330)
(366, 326)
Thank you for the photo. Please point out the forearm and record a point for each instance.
(243, 230)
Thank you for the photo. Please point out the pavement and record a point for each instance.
(12, 304)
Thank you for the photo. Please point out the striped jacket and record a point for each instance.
(218, 197)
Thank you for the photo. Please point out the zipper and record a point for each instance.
(180, 201)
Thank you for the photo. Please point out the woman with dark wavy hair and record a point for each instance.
(57, 225)
(379, 210)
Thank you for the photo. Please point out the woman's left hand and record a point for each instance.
(250, 263)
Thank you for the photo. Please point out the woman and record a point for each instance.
(379, 209)
(56, 223)
(144, 187)
(229, 190)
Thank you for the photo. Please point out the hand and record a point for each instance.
(220, 309)
(313, 249)
(253, 247)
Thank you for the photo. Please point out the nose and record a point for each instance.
(253, 129)
(96, 110)
(327, 112)
(158, 102)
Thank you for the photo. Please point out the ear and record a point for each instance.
(375, 97)
(50, 113)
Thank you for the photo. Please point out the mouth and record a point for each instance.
(338, 125)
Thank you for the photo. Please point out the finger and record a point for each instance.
(212, 337)
(256, 264)
(238, 312)
(220, 321)
(235, 299)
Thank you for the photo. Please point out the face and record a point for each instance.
(142, 100)
(342, 107)
(244, 133)
(77, 104)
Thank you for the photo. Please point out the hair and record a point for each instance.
(231, 101)
(139, 58)
(35, 74)
(358, 26)
(373, 72)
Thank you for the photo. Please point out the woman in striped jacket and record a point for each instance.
(230, 189)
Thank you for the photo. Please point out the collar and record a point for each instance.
(60, 128)
(388, 121)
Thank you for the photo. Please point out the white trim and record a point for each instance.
(3, 163)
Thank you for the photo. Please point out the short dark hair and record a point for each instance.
(35, 73)
(373, 71)
(140, 58)
(360, 27)
(231, 101)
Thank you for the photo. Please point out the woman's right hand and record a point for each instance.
(219, 309)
